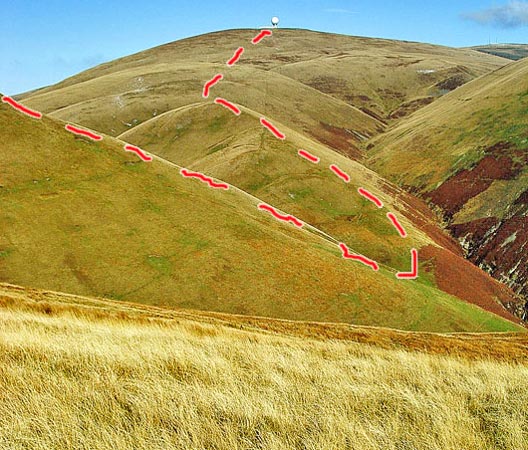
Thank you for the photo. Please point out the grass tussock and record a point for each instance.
(82, 381)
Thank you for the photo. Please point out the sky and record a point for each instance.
(43, 42)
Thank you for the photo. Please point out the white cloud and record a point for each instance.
(512, 15)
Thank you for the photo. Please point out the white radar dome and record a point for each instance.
(274, 21)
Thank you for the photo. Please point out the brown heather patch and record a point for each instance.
(460, 278)
(453, 194)
(339, 139)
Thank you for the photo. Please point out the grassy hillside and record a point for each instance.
(468, 153)
(86, 373)
(153, 99)
(319, 83)
(87, 217)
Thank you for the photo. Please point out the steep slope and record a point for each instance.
(205, 138)
(118, 375)
(468, 154)
(85, 217)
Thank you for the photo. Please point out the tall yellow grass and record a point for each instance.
(69, 381)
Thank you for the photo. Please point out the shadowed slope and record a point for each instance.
(509, 51)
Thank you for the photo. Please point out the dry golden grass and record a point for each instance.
(502, 346)
(73, 379)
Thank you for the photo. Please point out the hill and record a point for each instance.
(80, 372)
(468, 154)
(153, 99)
(86, 217)
(509, 51)
(319, 83)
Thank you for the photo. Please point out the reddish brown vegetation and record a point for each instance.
(453, 194)
(502, 162)
(339, 139)
(454, 274)
(373, 114)
(409, 107)
(499, 247)
(451, 83)
(419, 213)
(458, 277)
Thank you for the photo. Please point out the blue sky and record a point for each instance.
(45, 41)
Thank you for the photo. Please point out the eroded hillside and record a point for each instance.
(468, 155)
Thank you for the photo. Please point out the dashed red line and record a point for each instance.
(397, 224)
(261, 36)
(277, 215)
(368, 262)
(228, 105)
(236, 56)
(210, 84)
(139, 152)
(371, 197)
(272, 128)
(308, 156)
(204, 178)
(413, 274)
(344, 176)
(82, 132)
(21, 108)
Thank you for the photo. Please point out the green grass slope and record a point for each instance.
(237, 149)
(468, 154)
(88, 218)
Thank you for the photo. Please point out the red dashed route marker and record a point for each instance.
(81, 132)
(284, 218)
(21, 108)
(204, 178)
(236, 56)
(210, 84)
(413, 274)
(308, 156)
(228, 105)
(344, 176)
(139, 152)
(360, 258)
(272, 128)
(261, 36)
(371, 197)
(397, 224)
